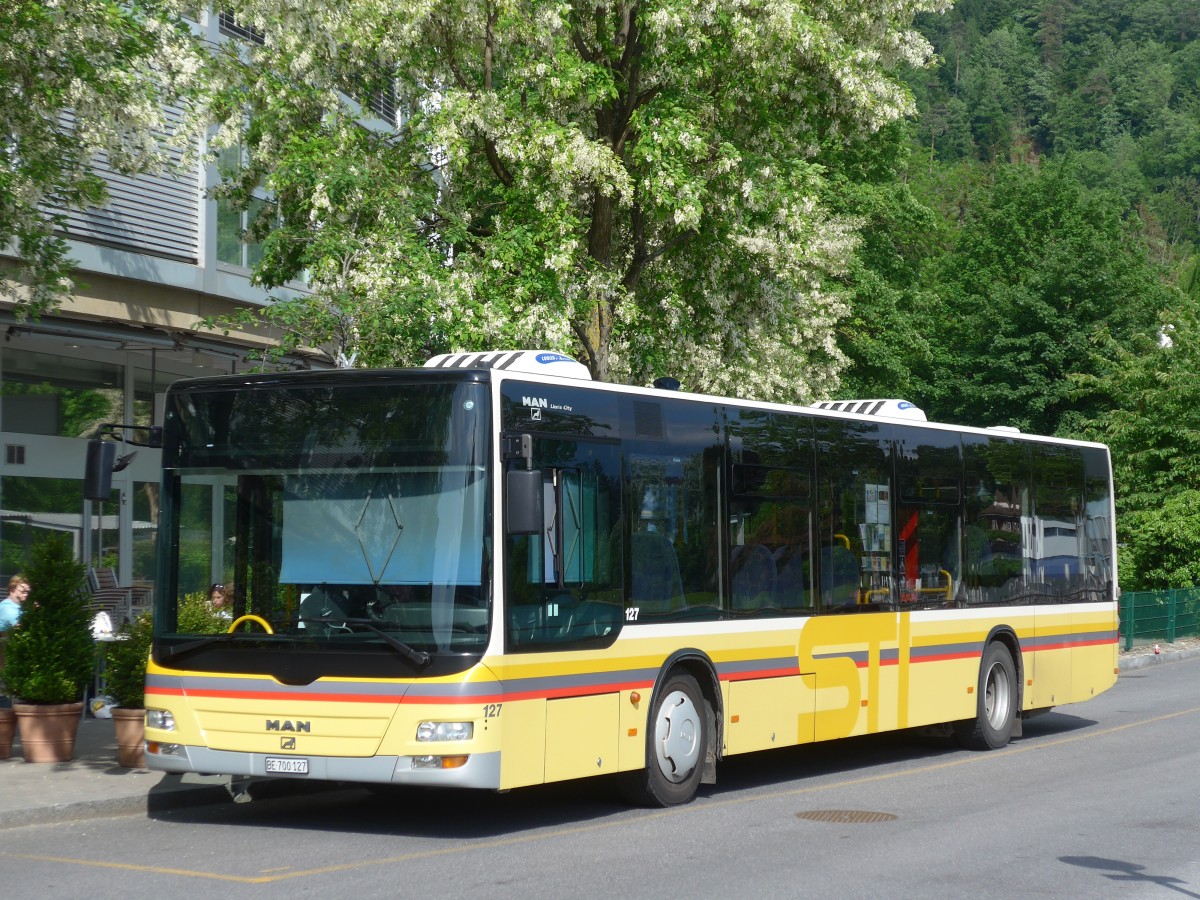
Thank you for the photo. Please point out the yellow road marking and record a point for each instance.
(282, 875)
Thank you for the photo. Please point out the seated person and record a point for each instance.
(220, 601)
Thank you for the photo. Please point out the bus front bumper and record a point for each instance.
(480, 770)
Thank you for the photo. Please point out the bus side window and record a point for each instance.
(1057, 545)
(997, 502)
(856, 514)
(1097, 536)
(673, 539)
(655, 583)
(769, 513)
(929, 518)
(564, 582)
(839, 576)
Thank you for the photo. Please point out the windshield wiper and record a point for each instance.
(181, 649)
(417, 657)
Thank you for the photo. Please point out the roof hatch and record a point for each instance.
(526, 362)
(888, 409)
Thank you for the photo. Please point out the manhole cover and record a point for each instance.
(846, 816)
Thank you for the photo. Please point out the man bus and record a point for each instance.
(492, 572)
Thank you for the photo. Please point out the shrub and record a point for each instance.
(196, 615)
(50, 655)
(125, 663)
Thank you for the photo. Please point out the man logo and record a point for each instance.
(287, 743)
(288, 725)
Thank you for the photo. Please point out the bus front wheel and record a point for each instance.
(996, 702)
(676, 744)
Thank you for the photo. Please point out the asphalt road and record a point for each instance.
(1096, 800)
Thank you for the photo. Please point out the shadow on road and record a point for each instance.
(456, 813)
(1129, 873)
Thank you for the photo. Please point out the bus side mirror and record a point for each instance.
(523, 510)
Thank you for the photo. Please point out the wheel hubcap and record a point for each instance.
(677, 736)
(997, 696)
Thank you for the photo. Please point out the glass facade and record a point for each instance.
(56, 393)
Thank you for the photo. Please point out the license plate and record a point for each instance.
(286, 765)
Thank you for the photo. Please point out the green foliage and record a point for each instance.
(633, 183)
(1160, 547)
(196, 616)
(885, 333)
(1151, 422)
(1039, 265)
(125, 663)
(113, 65)
(50, 656)
(81, 412)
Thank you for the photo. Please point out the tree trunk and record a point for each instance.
(595, 332)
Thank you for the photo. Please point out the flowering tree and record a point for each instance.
(79, 78)
(634, 182)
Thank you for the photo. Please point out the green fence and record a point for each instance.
(1159, 615)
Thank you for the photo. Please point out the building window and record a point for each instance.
(382, 102)
(63, 396)
(232, 28)
(233, 246)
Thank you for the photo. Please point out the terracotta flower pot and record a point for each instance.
(8, 725)
(48, 730)
(130, 726)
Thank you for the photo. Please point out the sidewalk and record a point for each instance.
(92, 785)
(1146, 654)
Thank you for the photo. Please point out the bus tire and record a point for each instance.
(676, 744)
(996, 703)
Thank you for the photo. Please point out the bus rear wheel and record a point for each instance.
(996, 703)
(676, 744)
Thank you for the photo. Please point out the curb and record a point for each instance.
(159, 799)
(1143, 660)
(70, 812)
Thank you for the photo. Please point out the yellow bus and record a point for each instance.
(492, 572)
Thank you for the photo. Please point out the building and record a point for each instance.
(157, 261)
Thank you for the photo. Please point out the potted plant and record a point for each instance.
(125, 681)
(50, 656)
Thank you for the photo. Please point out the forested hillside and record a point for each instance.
(1030, 252)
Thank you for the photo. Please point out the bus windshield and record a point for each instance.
(349, 516)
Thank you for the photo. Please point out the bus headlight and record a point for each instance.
(160, 718)
(445, 731)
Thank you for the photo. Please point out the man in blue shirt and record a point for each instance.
(10, 607)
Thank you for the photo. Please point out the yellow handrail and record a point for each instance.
(256, 619)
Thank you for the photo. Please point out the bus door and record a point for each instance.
(564, 582)
(564, 592)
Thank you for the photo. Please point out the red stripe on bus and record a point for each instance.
(272, 695)
(410, 698)
(942, 657)
(1069, 644)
